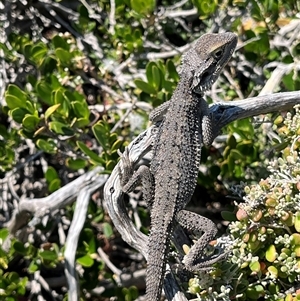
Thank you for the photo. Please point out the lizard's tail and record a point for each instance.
(158, 247)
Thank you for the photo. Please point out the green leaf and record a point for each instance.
(27, 50)
(251, 294)
(143, 6)
(254, 266)
(13, 277)
(88, 237)
(168, 86)
(48, 255)
(134, 293)
(259, 289)
(3, 235)
(59, 97)
(18, 114)
(30, 122)
(52, 178)
(33, 267)
(75, 96)
(39, 52)
(289, 82)
(60, 128)
(55, 82)
(274, 288)
(107, 230)
(51, 174)
(161, 66)
(46, 146)
(81, 122)
(15, 97)
(117, 144)
(93, 156)
(205, 7)
(85, 261)
(54, 185)
(26, 134)
(19, 247)
(51, 110)
(172, 70)
(235, 154)
(271, 253)
(110, 165)
(59, 42)
(63, 55)
(295, 239)
(80, 109)
(49, 64)
(22, 286)
(297, 222)
(76, 164)
(149, 73)
(31, 108)
(44, 92)
(156, 78)
(145, 87)
(14, 102)
(228, 216)
(32, 80)
(101, 132)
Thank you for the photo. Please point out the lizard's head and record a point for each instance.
(206, 59)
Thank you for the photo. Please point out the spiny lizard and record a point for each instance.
(170, 182)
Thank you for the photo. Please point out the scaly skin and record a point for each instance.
(185, 127)
(175, 168)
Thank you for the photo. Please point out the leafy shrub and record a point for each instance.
(265, 237)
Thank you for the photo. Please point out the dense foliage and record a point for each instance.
(78, 80)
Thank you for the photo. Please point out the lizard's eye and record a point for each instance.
(218, 54)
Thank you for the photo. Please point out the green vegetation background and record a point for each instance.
(78, 80)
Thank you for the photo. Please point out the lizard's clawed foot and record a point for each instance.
(126, 171)
(205, 261)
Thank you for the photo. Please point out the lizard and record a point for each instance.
(169, 183)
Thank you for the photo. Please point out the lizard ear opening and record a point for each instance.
(205, 75)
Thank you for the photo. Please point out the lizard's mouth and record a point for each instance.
(203, 82)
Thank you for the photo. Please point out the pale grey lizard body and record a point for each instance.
(170, 182)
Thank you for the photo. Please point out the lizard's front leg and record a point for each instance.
(207, 125)
(158, 113)
(130, 179)
(195, 222)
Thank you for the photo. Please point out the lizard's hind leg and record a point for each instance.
(195, 260)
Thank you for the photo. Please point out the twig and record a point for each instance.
(179, 13)
(67, 11)
(277, 76)
(44, 285)
(112, 20)
(72, 242)
(119, 123)
(56, 200)
(109, 264)
(233, 84)
(163, 55)
(178, 4)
